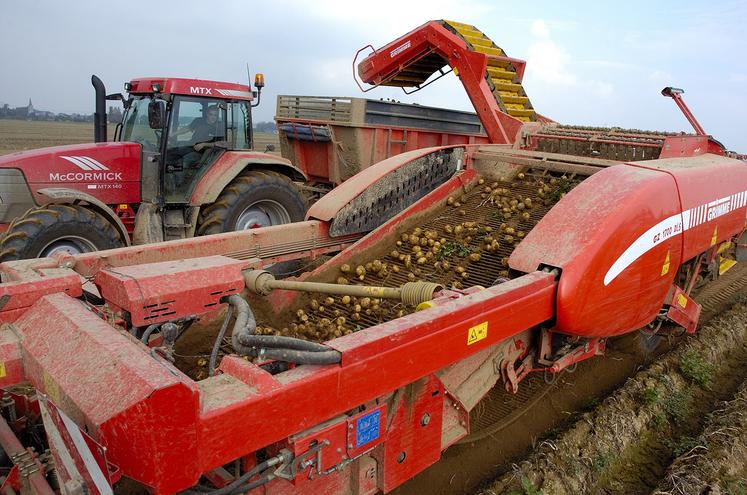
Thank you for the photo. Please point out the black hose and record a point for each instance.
(244, 326)
(298, 351)
(280, 342)
(148, 332)
(302, 357)
(238, 485)
(218, 340)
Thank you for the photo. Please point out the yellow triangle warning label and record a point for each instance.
(714, 237)
(665, 266)
(477, 333)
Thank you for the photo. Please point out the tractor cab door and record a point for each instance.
(197, 136)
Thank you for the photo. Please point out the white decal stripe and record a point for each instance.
(56, 442)
(234, 92)
(686, 219)
(88, 162)
(76, 162)
(103, 167)
(643, 244)
(93, 467)
(689, 219)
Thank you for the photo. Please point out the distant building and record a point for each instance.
(30, 113)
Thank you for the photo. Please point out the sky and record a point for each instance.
(588, 63)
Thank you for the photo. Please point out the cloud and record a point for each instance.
(540, 29)
(548, 61)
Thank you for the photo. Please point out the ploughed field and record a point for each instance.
(21, 135)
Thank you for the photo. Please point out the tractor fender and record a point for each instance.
(212, 183)
(63, 195)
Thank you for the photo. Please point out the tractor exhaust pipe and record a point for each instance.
(99, 116)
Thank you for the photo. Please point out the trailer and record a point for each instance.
(333, 138)
(439, 274)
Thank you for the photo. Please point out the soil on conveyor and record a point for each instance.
(659, 411)
(664, 429)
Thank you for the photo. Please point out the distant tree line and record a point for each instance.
(114, 116)
(268, 127)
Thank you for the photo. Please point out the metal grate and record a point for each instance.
(487, 271)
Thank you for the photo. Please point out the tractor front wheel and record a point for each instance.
(57, 228)
(252, 200)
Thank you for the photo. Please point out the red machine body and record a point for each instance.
(151, 417)
(191, 87)
(619, 235)
(108, 171)
(622, 249)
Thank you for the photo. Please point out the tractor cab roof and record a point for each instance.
(191, 87)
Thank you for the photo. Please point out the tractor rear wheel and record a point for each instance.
(252, 200)
(51, 229)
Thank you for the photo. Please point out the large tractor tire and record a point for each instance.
(56, 228)
(252, 200)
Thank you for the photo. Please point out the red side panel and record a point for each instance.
(591, 228)
(621, 235)
(136, 405)
(108, 171)
(713, 190)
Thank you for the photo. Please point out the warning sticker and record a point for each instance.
(477, 333)
(3, 373)
(681, 300)
(665, 266)
(714, 237)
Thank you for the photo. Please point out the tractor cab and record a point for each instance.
(184, 126)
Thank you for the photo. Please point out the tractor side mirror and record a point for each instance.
(156, 114)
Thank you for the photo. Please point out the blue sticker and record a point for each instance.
(367, 428)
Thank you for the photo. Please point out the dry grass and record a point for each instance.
(20, 135)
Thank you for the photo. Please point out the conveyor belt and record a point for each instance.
(500, 75)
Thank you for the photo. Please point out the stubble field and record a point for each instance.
(21, 135)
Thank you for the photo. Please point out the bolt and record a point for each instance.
(350, 445)
(350, 426)
(425, 419)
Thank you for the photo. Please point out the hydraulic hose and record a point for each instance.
(302, 357)
(275, 341)
(244, 327)
(216, 346)
(298, 351)
(239, 484)
(148, 332)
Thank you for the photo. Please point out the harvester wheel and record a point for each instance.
(252, 200)
(47, 230)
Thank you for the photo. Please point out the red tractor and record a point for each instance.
(182, 165)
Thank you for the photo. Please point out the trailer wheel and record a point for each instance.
(56, 228)
(252, 200)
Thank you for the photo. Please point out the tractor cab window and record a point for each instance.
(239, 125)
(197, 136)
(135, 126)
